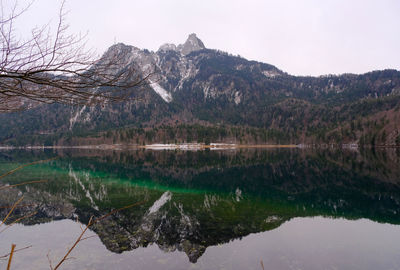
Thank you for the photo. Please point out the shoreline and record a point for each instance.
(184, 146)
(193, 146)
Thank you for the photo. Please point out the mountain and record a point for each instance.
(199, 94)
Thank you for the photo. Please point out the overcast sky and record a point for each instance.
(301, 37)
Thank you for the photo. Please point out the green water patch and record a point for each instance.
(285, 184)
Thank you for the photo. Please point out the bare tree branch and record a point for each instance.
(56, 68)
(26, 165)
(22, 184)
(11, 256)
(18, 220)
(12, 210)
(16, 250)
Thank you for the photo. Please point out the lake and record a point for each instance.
(227, 209)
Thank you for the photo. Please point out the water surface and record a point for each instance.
(289, 208)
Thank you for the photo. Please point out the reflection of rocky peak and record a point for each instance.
(163, 220)
(36, 206)
(247, 198)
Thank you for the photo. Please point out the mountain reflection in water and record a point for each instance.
(195, 200)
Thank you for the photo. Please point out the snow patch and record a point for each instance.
(73, 175)
(73, 119)
(270, 73)
(187, 70)
(161, 92)
(160, 202)
(238, 194)
(237, 98)
(207, 202)
(239, 67)
(185, 219)
(210, 200)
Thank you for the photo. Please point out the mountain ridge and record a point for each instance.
(193, 86)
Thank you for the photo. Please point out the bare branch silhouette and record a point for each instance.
(11, 256)
(26, 165)
(18, 220)
(16, 250)
(12, 210)
(22, 184)
(56, 68)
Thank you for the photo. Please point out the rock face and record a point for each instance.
(186, 68)
(167, 47)
(192, 44)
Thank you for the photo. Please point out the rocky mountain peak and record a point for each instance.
(193, 43)
(167, 47)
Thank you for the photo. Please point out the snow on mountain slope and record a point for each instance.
(161, 91)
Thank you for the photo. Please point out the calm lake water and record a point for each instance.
(236, 209)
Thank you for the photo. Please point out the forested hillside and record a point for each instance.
(202, 95)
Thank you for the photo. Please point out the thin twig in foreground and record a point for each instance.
(24, 183)
(17, 220)
(26, 165)
(49, 260)
(12, 209)
(19, 206)
(11, 255)
(75, 244)
(117, 210)
(5, 256)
